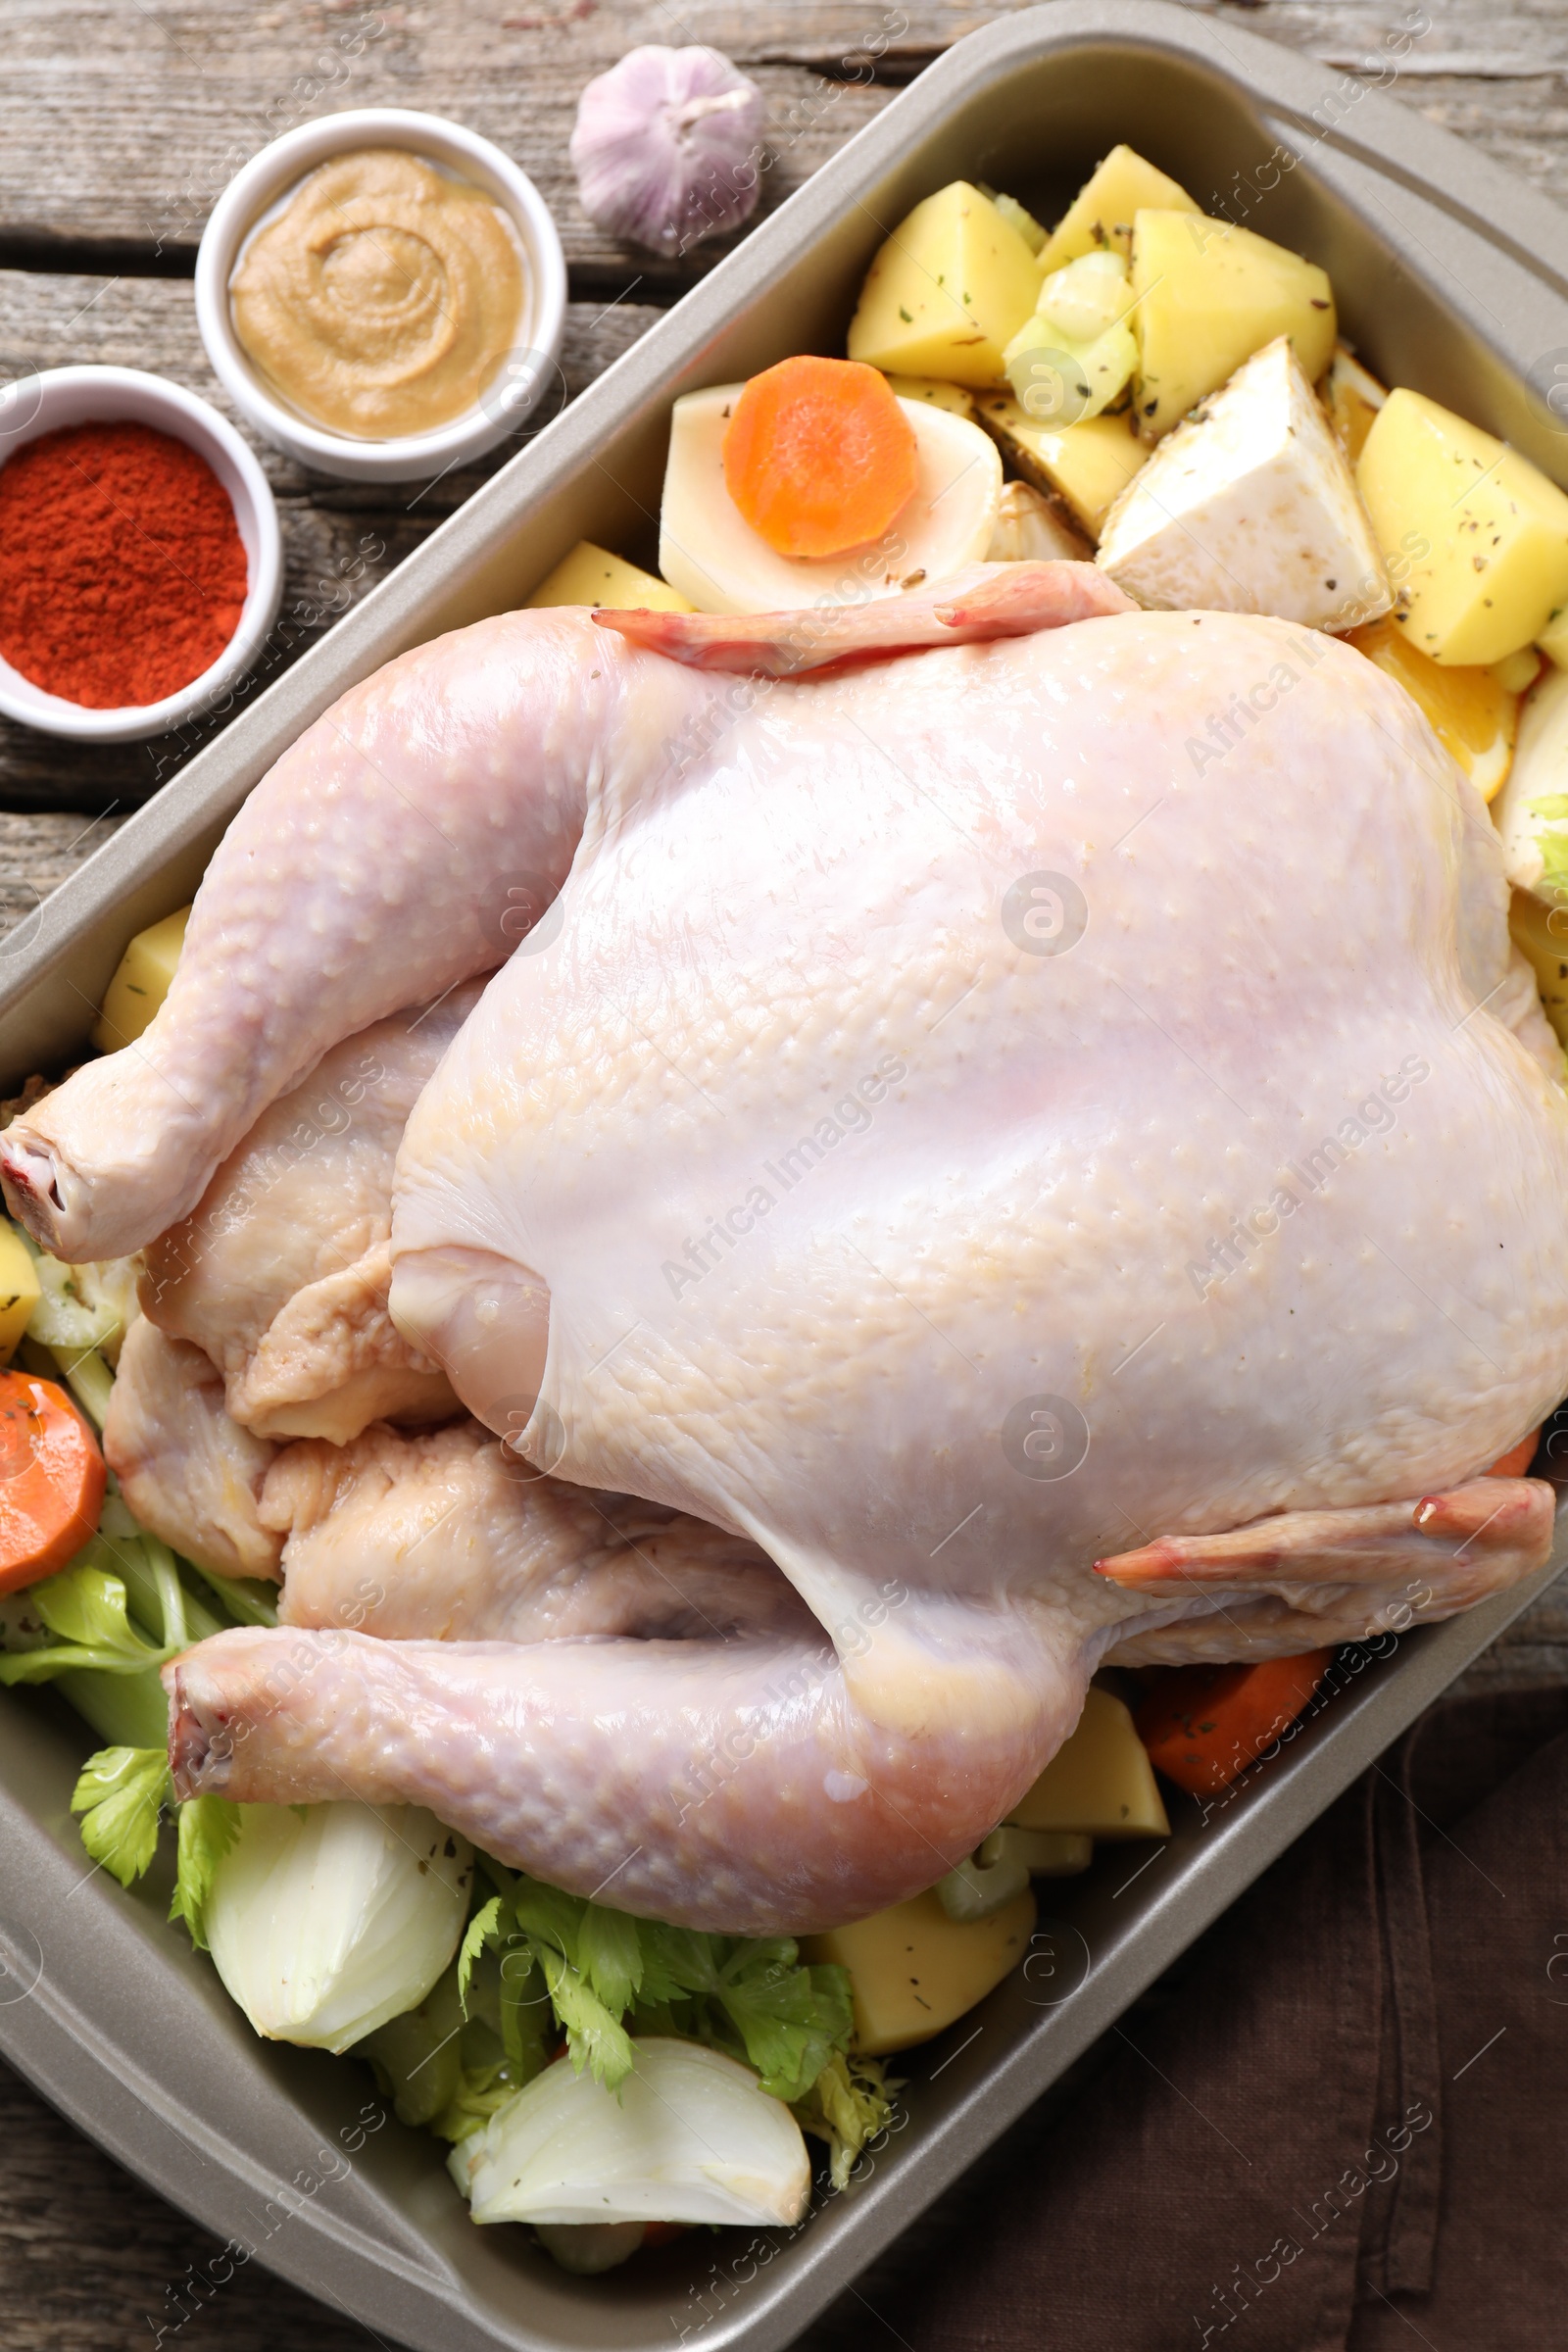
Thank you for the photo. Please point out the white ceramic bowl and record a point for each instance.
(524, 377)
(46, 402)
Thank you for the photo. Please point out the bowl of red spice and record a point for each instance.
(140, 562)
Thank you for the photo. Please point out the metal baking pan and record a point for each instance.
(1451, 278)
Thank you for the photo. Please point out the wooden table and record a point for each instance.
(120, 122)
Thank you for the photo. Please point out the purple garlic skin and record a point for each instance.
(668, 147)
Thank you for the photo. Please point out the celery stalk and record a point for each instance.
(171, 1610)
(90, 1381)
(127, 1710)
(144, 1595)
(245, 1597)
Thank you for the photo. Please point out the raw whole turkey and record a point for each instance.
(1004, 1126)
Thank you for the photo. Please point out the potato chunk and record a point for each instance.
(955, 397)
(1553, 640)
(1495, 532)
(1086, 466)
(1249, 507)
(1101, 215)
(1352, 399)
(948, 291)
(591, 575)
(1208, 296)
(1473, 715)
(140, 984)
(1099, 1782)
(19, 1290)
(1517, 673)
(914, 1970)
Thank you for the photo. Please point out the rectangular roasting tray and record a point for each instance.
(1451, 278)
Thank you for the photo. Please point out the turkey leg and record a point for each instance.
(754, 1786)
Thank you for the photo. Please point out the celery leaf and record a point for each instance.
(791, 2019)
(549, 1914)
(86, 1604)
(751, 1999)
(593, 2038)
(481, 1927)
(676, 1961)
(609, 1954)
(119, 1793)
(208, 1828)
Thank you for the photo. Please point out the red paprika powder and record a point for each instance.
(122, 573)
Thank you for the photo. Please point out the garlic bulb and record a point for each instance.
(324, 1927)
(667, 147)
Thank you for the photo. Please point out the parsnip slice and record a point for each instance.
(1251, 507)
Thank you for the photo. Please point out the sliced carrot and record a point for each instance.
(659, 2233)
(1204, 1725)
(1518, 1458)
(51, 1479)
(819, 455)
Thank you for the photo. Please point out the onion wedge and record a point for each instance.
(690, 2137)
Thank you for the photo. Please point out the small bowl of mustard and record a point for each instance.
(382, 294)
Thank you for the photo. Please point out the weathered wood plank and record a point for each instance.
(222, 77)
(92, 2262)
(338, 538)
(36, 853)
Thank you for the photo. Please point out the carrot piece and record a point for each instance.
(659, 2233)
(1518, 1458)
(819, 455)
(51, 1479)
(1203, 1725)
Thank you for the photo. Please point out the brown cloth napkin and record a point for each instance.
(1346, 2130)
